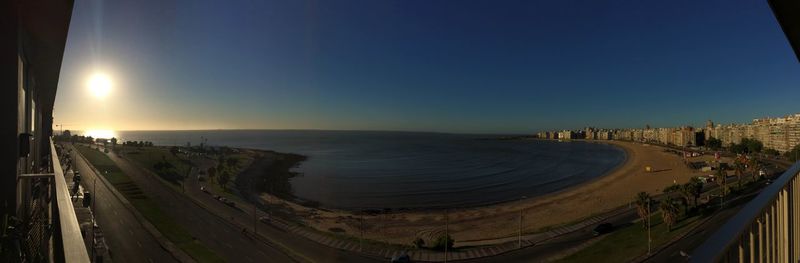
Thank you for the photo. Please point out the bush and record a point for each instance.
(418, 243)
(442, 241)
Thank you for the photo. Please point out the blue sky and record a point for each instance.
(449, 66)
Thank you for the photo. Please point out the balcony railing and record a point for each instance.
(766, 230)
(69, 245)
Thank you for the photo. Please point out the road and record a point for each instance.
(221, 235)
(558, 246)
(126, 237)
(243, 215)
(226, 240)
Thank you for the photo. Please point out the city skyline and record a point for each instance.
(403, 66)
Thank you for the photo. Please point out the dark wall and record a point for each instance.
(8, 105)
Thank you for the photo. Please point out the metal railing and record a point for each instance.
(69, 244)
(766, 230)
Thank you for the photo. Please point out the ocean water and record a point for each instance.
(363, 169)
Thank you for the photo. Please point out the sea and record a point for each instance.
(413, 170)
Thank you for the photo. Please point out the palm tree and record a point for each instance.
(739, 168)
(643, 207)
(669, 212)
(695, 189)
(755, 167)
(686, 195)
(722, 175)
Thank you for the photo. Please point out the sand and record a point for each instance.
(603, 194)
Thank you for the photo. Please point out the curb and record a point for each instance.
(167, 245)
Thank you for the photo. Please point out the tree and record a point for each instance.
(223, 179)
(212, 172)
(442, 241)
(232, 162)
(755, 167)
(643, 207)
(722, 176)
(174, 150)
(739, 169)
(747, 145)
(771, 152)
(793, 154)
(714, 143)
(695, 188)
(418, 243)
(669, 212)
(753, 145)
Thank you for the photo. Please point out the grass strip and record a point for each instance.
(147, 207)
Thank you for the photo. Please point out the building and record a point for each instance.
(32, 187)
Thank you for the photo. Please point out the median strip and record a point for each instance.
(147, 211)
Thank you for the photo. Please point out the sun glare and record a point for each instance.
(99, 85)
(105, 134)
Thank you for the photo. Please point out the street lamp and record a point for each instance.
(446, 232)
(519, 233)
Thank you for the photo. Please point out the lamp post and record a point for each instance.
(446, 232)
(519, 233)
(649, 239)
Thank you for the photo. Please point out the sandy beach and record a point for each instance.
(605, 193)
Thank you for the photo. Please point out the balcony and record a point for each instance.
(766, 230)
(49, 229)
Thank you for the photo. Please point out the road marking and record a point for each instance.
(120, 221)
(130, 231)
(151, 260)
(115, 213)
(139, 243)
(248, 258)
(228, 245)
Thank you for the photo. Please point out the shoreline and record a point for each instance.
(615, 188)
(301, 201)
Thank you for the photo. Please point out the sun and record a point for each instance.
(99, 85)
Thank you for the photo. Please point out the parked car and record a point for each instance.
(602, 229)
(402, 258)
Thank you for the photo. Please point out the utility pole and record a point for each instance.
(519, 234)
(446, 232)
(649, 239)
(361, 240)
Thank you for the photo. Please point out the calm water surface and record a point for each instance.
(357, 169)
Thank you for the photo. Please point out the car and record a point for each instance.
(229, 203)
(602, 229)
(264, 219)
(402, 258)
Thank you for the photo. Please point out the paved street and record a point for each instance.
(126, 237)
(224, 236)
(557, 246)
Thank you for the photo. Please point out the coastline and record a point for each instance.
(290, 197)
(615, 188)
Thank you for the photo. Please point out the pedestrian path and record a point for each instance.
(474, 249)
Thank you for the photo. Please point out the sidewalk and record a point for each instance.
(474, 249)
